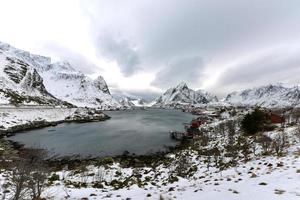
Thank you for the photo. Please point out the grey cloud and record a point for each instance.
(78, 61)
(172, 29)
(120, 50)
(175, 37)
(187, 69)
(271, 68)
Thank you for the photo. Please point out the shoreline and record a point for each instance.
(126, 159)
(64, 115)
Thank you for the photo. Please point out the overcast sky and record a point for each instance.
(147, 46)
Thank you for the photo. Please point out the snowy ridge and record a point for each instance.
(24, 74)
(182, 95)
(272, 95)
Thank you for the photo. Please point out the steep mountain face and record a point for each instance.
(266, 96)
(126, 102)
(182, 95)
(24, 74)
(20, 83)
(64, 82)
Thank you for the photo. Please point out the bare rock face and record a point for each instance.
(101, 85)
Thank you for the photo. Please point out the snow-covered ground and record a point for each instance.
(11, 116)
(266, 177)
(19, 118)
(273, 181)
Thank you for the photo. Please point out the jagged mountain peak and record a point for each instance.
(183, 95)
(181, 86)
(100, 83)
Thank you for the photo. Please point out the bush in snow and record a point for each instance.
(255, 121)
(280, 143)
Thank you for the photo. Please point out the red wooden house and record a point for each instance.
(277, 119)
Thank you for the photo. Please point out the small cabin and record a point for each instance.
(277, 119)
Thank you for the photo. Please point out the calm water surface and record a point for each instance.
(135, 131)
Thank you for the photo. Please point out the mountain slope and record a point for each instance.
(20, 83)
(182, 95)
(35, 76)
(64, 82)
(266, 96)
(126, 102)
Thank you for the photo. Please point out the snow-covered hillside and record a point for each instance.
(20, 83)
(64, 82)
(34, 79)
(267, 96)
(182, 95)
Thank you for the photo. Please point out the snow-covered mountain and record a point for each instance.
(132, 101)
(64, 82)
(20, 83)
(182, 95)
(126, 102)
(25, 74)
(272, 95)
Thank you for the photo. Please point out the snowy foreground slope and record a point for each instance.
(282, 183)
(266, 96)
(182, 95)
(26, 78)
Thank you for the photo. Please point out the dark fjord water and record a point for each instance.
(135, 131)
